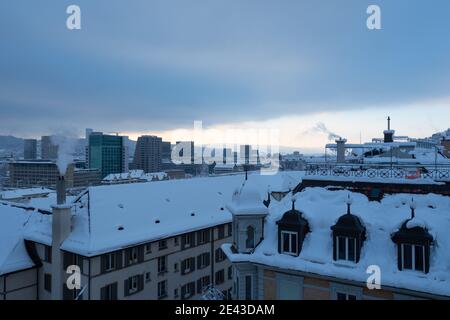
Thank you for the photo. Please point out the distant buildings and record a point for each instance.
(30, 149)
(108, 153)
(148, 154)
(446, 144)
(44, 173)
(49, 151)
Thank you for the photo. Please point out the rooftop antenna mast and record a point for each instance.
(389, 123)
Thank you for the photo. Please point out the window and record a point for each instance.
(175, 241)
(250, 241)
(230, 229)
(221, 231)
(148, 248)
(162, 289)
(48, 282)
(110, 262)
(220, 276)
(175, 293)
(175, 267)
(109, 292)
(413, 257)
(188, 290)
(203, 236)
(220, 255)
(187, 265)
(162, 244)
(162, 264)
(345, 296)
(132, 255)
(203, 260)
(48, 254)
(289, 244)
(133, 284)
(202, 283)
(188, 240)
(147, 277)
(248, 287)
(346, 248)
(230, 272)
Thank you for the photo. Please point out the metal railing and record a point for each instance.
(380, 171)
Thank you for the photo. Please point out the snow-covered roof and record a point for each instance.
(21, 193)
(180, 206)
(322, 208)
(135, 175)
(246, 200)
(13, 255)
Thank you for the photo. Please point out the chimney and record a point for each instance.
(389, 134)
(61, 228)
(340, 150)
(61, 190)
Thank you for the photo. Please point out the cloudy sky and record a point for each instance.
(156, 66)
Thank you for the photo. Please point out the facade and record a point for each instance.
(315, 250)
(107, 153)
(28, 174)
(148, 154)
(30, 149)
(49, 151)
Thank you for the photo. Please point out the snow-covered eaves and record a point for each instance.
(323, 207)
(13, 255)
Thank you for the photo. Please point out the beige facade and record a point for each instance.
(21, 285)
(276, 284)
(101, 282)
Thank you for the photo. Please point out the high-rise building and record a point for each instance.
(166, 150)
(49, 150)
(107, 153)
(147, 155)
(184, 152)
(30, 149)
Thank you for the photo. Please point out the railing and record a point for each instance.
(380, 171)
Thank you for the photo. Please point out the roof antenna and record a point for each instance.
(293, 199)
(413, 206)
(349, 203)
(389, 122)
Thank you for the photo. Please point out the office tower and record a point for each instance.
(166, 150)
(30, 149)
(107, 153)
(245, 154)
(184, 150)
(147, 155)
(88, 132)
(49, 150)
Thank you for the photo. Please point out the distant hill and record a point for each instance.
(10, 144)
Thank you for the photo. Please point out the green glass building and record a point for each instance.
(107, 153)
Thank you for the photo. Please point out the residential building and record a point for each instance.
(30, 149)
(49, 150)
(108, 153)
(131, 241)
(328, 243)
(148, 154)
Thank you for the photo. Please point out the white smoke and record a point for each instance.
(66, 148)
(320, 127)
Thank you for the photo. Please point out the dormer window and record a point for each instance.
(413, 244)
(292, 230)
(345, 248)
(412, 257)
(289, 245)
(250, 241)
(348, 237)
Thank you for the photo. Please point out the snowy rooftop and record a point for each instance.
(13, 255)
(180, 206)
(19, 193)
(322, 208)
(135, 174)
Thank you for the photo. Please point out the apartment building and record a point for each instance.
(148, 154)
(328, 243)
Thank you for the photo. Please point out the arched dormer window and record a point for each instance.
(413, 244)
(292, 229)
(250, 241)
(348, 237)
